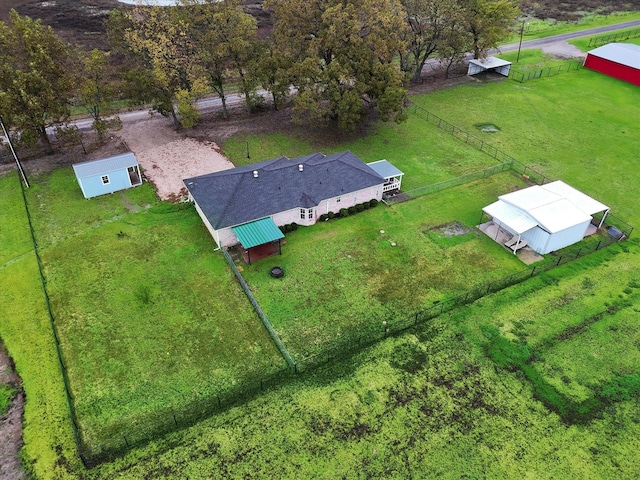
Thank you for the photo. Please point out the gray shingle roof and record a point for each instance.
(236, 196)
(104, 165)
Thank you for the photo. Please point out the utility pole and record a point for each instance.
(520, 45)
(6, 134)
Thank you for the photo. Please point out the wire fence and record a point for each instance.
(614, 37)
(54, 330)
(368, 336)
(524, 75)
(265, 321)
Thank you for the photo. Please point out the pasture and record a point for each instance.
(437, 399)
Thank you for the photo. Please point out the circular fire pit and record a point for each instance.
(277, 272)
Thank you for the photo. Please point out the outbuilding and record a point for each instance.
(108, 175)
(489, 64)
(546, 217)
(618, 60)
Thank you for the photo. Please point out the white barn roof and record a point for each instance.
(105, 165)
(622, 53)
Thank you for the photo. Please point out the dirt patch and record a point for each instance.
(563, 50)
(452, 229)
(168, 156)
(487, 127)
(11, 423)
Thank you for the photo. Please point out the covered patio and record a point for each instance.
(259, 239)
(509, 241)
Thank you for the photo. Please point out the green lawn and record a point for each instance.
(344, 277)
(148, 317)
(578, 127)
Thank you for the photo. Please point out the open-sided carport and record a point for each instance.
(489, 64)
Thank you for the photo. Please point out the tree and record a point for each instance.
(488, 22)
(163, 51)
(428, 21)
(36, 81)
(226, 39)
(273, 71)
(95, 91)
(342, 55)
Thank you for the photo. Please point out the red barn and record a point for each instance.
(618, 60)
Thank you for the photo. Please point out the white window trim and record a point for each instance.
(105, 179)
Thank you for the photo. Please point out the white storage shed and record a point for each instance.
(548, 217)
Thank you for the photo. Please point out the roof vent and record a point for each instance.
(255, 174)
(300, 167)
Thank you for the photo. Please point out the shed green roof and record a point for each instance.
(258, 232)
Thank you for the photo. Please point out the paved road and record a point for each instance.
(544, 42)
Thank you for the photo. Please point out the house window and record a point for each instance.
(306, 213)
(338, 200)
(105, 179)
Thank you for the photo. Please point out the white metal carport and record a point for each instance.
(479, 65)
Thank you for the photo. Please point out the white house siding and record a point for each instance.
(350, 199)
(290, 216)
(537, 239)
(223, 237)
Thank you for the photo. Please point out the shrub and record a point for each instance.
(294, 226)
(283, 228)
(343, 212)
(366, 205)
(331, 215)
(323, 217)
(373, 203)
(352, 210)
(359, 207)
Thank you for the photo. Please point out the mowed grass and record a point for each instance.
(148, 316)
(424, 153)
(346, 276)
(588, 359)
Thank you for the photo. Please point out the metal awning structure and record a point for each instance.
(257, 233)
(478, 65)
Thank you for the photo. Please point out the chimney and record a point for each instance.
(255, 174)
(300, 167)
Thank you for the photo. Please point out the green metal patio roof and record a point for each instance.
(258, 232)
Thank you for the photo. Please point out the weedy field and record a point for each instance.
(524, 382)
